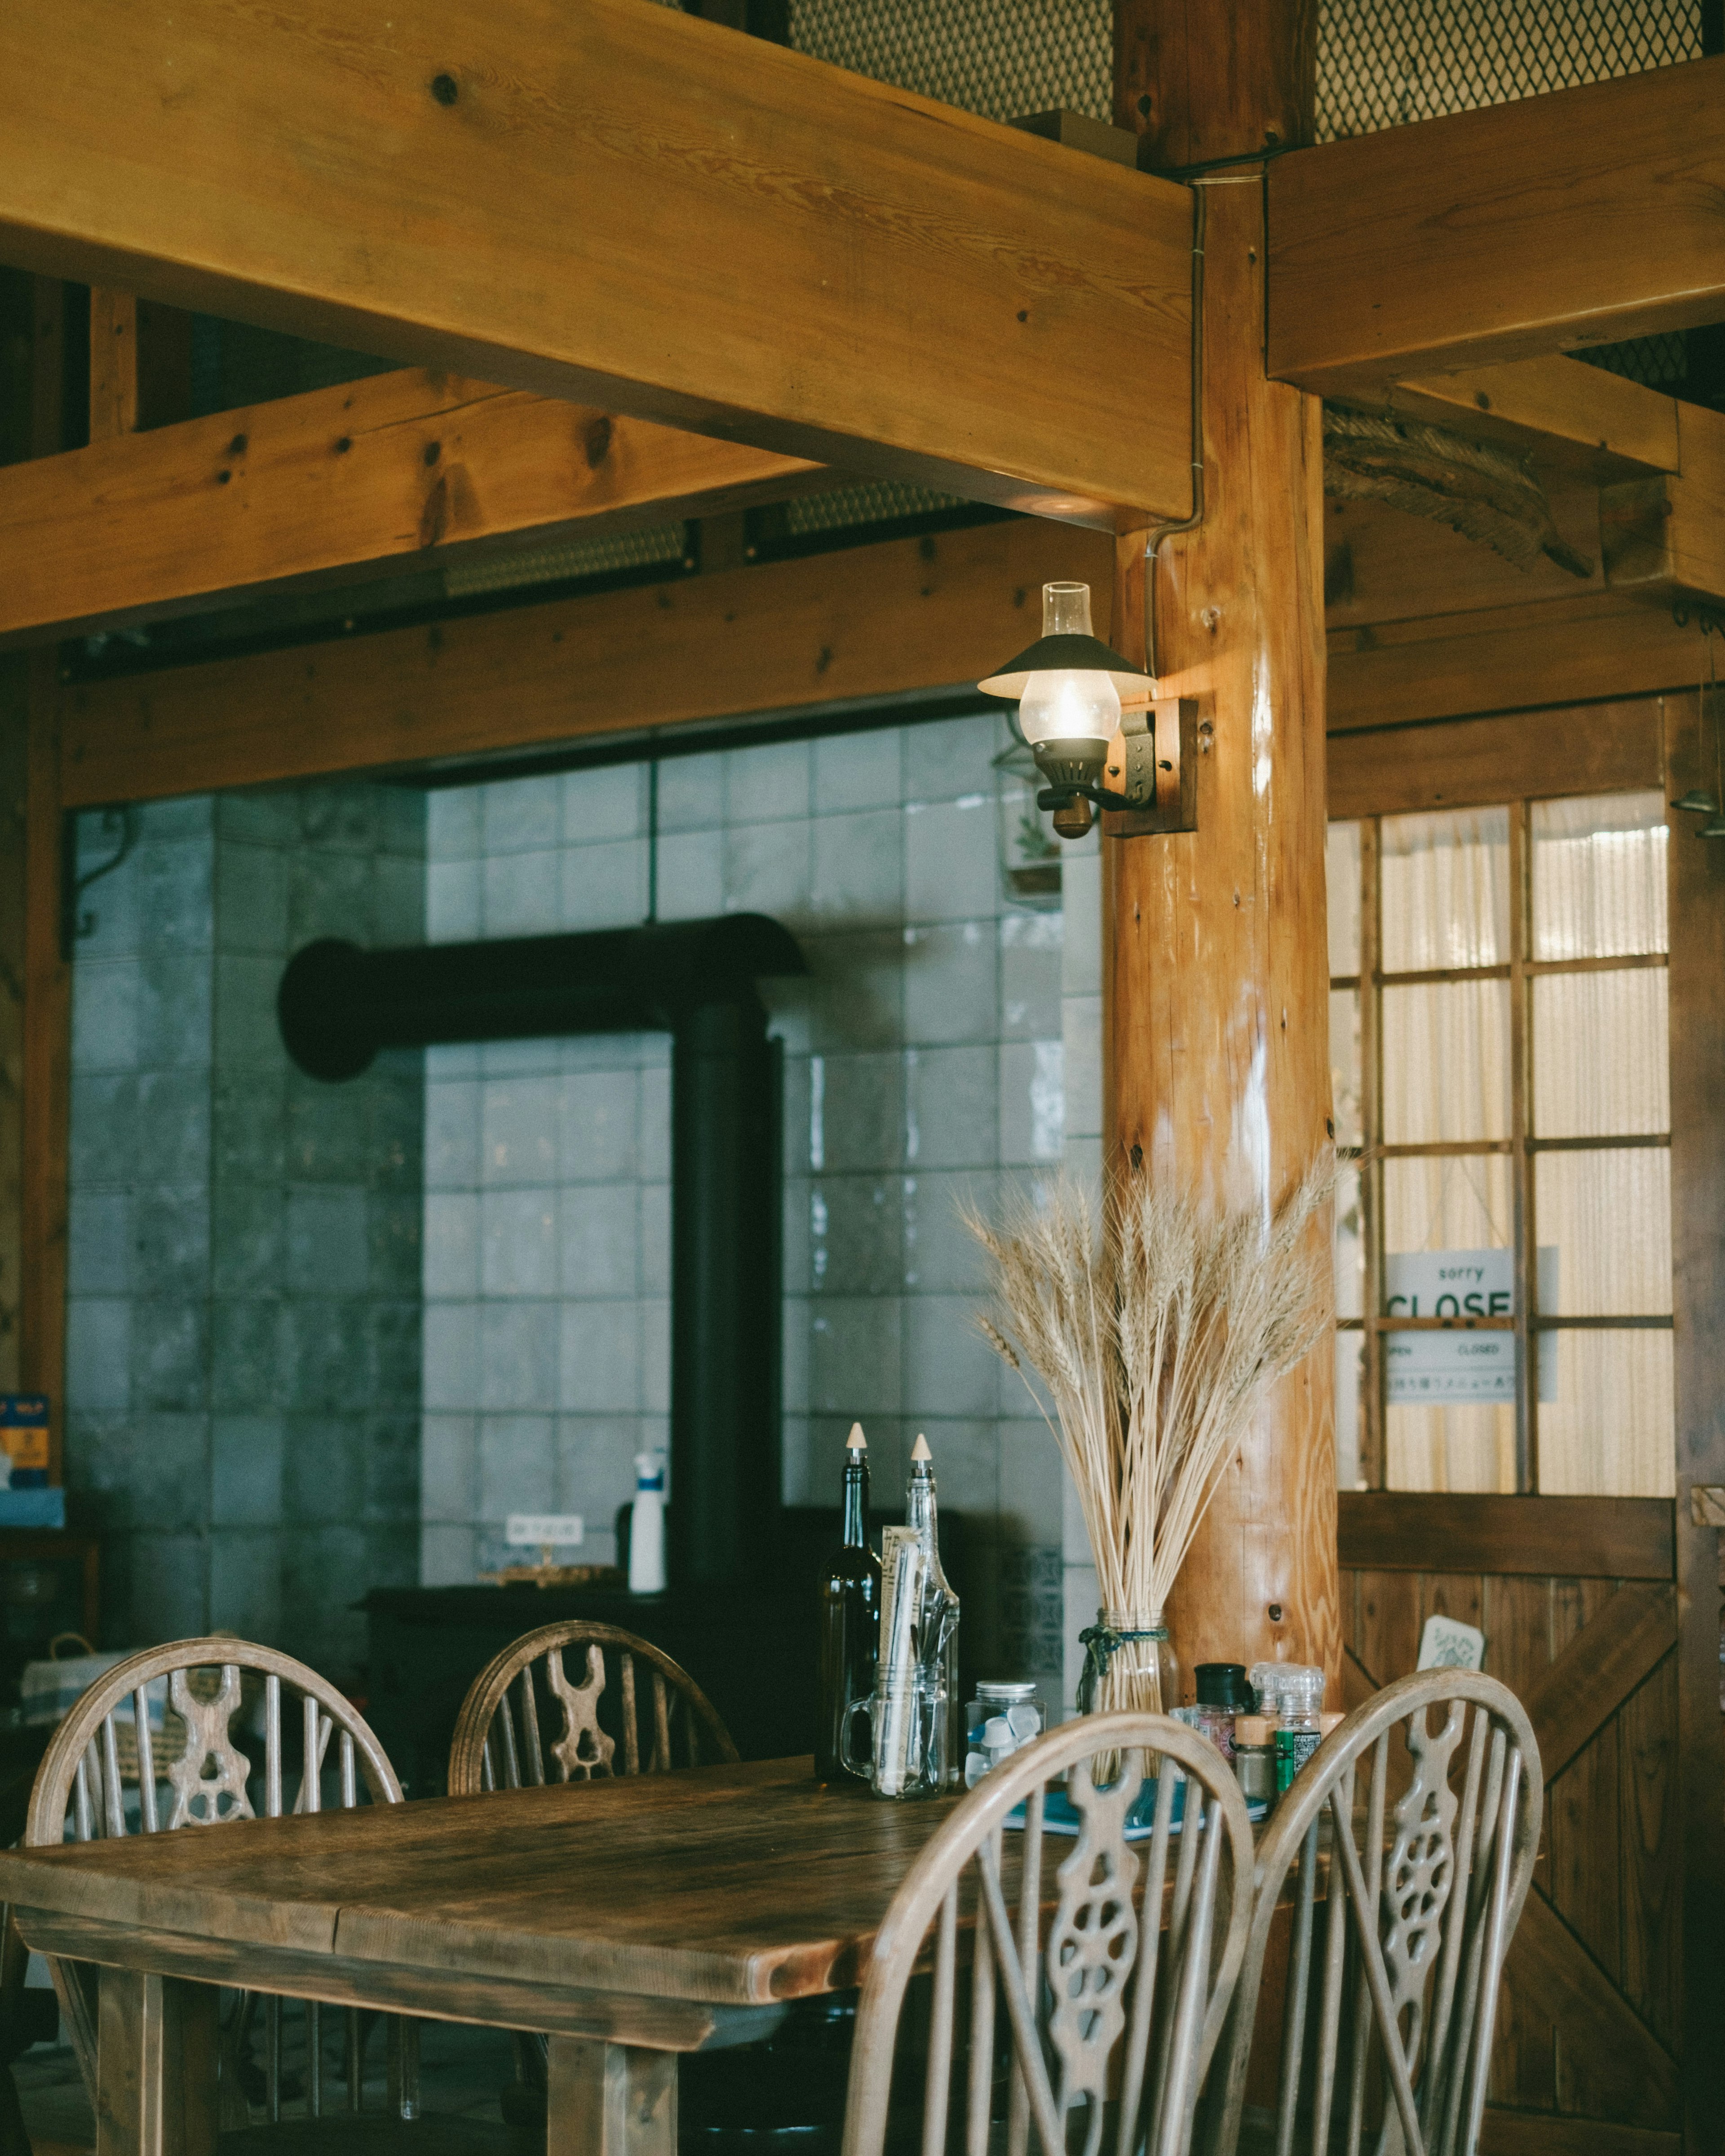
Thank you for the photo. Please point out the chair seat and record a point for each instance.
(343, 2133)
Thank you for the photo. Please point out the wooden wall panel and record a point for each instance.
(1652, 1969)
(1590, 2010)
(1586, 748)
(1595, 1538)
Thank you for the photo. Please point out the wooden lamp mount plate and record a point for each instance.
(1153, 760)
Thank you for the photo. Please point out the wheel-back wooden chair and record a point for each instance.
(1395, 2003)
(497, 1742)
(525, 1689)
(198, 1775)
(1113, 1999)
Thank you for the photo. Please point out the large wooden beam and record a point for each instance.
(1507, 658)
(629, 207)
(1576, 218)
(1664, 537)
(366, 479)
(1566, 415)
(897, 619)
(372, 477)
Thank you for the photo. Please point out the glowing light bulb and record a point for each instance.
(1070, 705)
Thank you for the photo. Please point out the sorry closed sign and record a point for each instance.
(1436, 1369)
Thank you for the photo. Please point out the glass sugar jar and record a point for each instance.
(1001, 1719)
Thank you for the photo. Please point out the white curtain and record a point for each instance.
(1599, 1068)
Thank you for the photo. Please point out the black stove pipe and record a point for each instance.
(338, 1005)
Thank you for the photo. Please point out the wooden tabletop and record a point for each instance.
(738, 1885)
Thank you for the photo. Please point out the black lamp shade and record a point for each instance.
(1060, 655)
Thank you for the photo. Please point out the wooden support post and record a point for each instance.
(113, 363)
(155, 2076)
(1216, 1061)
(1698, 1044)
(47, 1063)
(610, 2099)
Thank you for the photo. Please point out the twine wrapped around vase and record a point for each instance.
(1128, 1665)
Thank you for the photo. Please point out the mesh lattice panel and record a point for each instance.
(1660, 362)
(604, 557)
(1000, 58)
(847, 505)
(1381, 63)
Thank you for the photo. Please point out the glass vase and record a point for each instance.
(1129, 1664)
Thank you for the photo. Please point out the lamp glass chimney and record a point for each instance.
(1069, 704)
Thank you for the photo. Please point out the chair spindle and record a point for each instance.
(147, 1814)
(531, 1744)
(272, 1746)
(631, 1731)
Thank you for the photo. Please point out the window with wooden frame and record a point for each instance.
(1503, 1253)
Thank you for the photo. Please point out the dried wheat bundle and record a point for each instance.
(1156, 1328)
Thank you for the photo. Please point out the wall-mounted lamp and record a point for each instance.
(1085, 714)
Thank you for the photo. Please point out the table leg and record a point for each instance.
(155, 2065)
(609, 2100)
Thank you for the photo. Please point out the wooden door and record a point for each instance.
(1578, 1602)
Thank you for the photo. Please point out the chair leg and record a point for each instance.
(14, 2135)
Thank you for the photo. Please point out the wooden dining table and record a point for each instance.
(630, 1920)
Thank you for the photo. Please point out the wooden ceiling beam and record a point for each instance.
(1664, 537)
(631, 207)
(900, 619)
(369, 478)
(896, 619)
(1580, 217)
(1567, 417)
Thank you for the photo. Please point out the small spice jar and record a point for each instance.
(1223, 1693)
(1300, 1691)
(1254, 1758)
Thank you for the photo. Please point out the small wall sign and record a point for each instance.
(1446, 1643)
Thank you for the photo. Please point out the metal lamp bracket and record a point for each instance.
(1153, 764)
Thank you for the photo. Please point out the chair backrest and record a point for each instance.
(497, 1744)
(1429, 1851)
(1118, 1974)
(198, 1689)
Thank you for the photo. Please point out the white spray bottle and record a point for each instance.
(646, 1528)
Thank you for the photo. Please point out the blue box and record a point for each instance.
(33, 1508)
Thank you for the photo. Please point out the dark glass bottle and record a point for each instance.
(849, 1621)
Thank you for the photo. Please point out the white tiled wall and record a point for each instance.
(928, 1058)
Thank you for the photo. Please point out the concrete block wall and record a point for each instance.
(243, 1351)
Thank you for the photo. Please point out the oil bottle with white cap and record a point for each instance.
(938, 1631)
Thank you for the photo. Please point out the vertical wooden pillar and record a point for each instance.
(44, 1110)
(47, 1063)
(1696, 883)
(1216, 1041)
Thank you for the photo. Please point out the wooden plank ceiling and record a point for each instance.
(629, 207)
